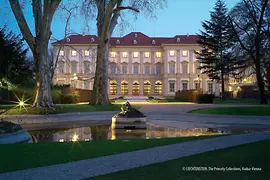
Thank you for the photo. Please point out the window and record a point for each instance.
(118, 41)
(113, 69)
(158, 54)
(73, 83)
(158, 69)
(147, 54)
(135, 54)
(134, 42)
(136, 69)
(73, 53)
(184, 86)
(86, 53)
(86, 67)
(61, 67)
(197, 68)
(74, 67)
(185, 53)
(113, 54)
(172, 53)
(124, 55)
(135, 35)
(153, 42)
(178, 40)
(197, 85)
(86, 85)
(210, 87)
(146, 69)
(124, 69)
(172, 68)
(171, 86)
(184, 68)
(61, 53)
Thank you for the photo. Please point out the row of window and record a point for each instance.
(157, 70)
(125, 54)
(87, 67)
(185, 86)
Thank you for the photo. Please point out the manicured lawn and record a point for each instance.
(249, 155)
(237, 101)
(62, 108)
(245, 111)
(23, 156)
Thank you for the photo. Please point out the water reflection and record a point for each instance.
(104, 132)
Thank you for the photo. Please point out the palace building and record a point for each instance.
(139, 65)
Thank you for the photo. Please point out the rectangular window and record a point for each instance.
(197, 68)
(210, 88)
(135, 69)
(135, 54)
(184, 68)
(184, 86)
(171, 85)
(172, 68)
(185, 53)
(124, 69)
(61, 67)
(197, 85)
(86, 67)
(172, 53)
(113, 69)
(158, 69)
(158, 54)
(61, 53)
(73, 53)
(74, 67)
(124, 55)
(73, 83)
(147, 69)
(86, 53)
(86, 84)
(147, 54)
(113, 54)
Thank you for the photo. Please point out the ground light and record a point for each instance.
(75, 137)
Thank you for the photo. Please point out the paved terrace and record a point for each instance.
(171, 115)
(114, 163)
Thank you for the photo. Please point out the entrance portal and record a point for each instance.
(135, 88)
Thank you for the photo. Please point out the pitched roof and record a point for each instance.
(132, 39)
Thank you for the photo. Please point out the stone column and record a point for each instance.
(130, 82)
(118, 87)
(141, 86)
(153, 87)
(130, 56)
(178, 62)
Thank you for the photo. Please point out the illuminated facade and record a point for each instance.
(138, 65)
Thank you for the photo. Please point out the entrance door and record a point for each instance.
(135, 89)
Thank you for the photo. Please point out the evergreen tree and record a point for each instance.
(13, 61)
(216, 41)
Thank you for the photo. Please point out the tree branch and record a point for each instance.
(119, 8)
(17, 11)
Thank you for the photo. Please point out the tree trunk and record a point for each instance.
(261, 85)
(222, 85)
(100, 89)
(43, 95)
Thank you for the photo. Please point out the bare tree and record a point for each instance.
(248, 22)
(43, 12)
(108, 13)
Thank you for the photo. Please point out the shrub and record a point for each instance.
(205, 98)
(56, 95)
(69, 98)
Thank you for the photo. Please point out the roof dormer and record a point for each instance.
(135, 35)
(178, 40)
(92, 39)
(117, 41)
(153, 42)
(134, 42)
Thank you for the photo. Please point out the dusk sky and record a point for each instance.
(179, 17)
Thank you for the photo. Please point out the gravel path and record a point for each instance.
(124, 161)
